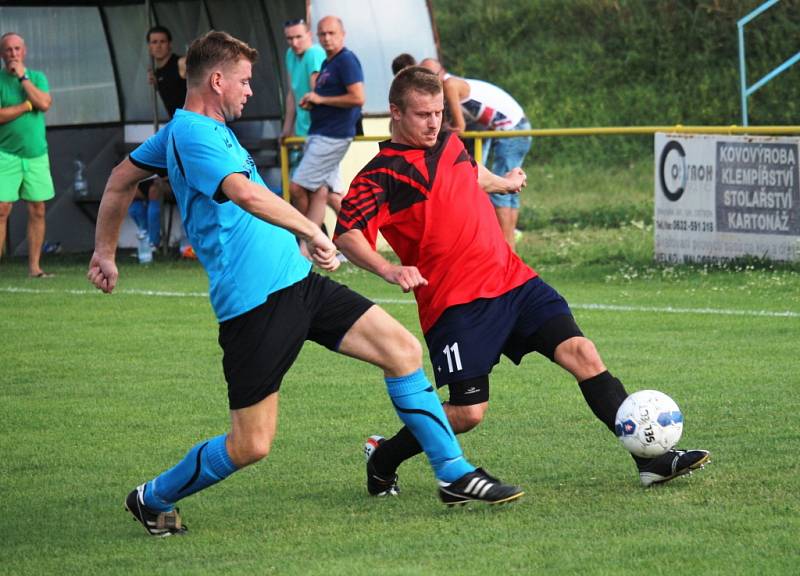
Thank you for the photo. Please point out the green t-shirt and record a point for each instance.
(300, 70)
(25, 135)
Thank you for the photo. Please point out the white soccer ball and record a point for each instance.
(648, 423)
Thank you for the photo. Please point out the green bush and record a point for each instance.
(582, 63)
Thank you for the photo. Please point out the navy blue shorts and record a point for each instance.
(467, 340)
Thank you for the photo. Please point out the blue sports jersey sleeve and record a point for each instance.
(152, 153)
(202, 154)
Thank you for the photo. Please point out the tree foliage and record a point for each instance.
(581, 63)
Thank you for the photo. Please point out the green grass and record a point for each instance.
(566, 196)
(98, 393)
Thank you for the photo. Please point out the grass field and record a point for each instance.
(102, 392)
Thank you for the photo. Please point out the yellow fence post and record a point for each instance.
(284, 150)
(479, 150)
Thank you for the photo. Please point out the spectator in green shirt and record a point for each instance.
(24, 164)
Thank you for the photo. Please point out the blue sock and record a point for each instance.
(420, 409)
(154, 221)
(204, 465)
(138, 212)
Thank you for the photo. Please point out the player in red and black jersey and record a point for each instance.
(477, 299)
(429, 208)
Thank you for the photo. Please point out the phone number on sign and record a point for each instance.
(685, 225)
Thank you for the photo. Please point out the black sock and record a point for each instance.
(604, 394)
(394, 451)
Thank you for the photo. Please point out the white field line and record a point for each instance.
(90, 292)
(659, 309)
(601, 307)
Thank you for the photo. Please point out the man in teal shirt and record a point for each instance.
(303, 63)
(24, 165)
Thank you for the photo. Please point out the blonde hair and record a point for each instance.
(212, 49)
(416, 78)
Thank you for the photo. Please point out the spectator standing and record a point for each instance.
(24, 164)
(479, 105)
(170, 81)
(170, 69)
(303, 63)
(335, 107)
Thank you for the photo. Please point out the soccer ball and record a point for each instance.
(648, 423)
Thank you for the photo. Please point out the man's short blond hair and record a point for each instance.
(413, 78)
(215, 48)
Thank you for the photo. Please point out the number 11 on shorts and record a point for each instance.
(452, 348)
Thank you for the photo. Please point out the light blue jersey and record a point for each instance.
(246, 259)
(152, 153)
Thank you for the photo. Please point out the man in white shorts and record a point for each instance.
(335, 106)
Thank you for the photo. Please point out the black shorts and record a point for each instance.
(259, 346)
(467, 340)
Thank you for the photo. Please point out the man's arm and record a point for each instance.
(354, 98)
(120, 190)
(10, 113)
(288, 122)
(40, 99)
(354, 245)
(514, 181)
(267, 206)
(452, 97)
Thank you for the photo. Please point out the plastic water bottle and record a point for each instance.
(144, 251)
(51, 248)
(80, 188)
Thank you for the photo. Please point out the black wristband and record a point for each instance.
(23, 78)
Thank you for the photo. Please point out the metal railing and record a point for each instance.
(479, 137)
(746, 90)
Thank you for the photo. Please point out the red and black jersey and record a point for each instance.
(428, 205)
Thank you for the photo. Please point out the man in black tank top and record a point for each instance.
(170, 81)
(170, 69)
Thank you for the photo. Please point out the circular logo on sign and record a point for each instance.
(672, 170)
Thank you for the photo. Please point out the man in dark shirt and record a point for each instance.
(170, 69)
(170, 81)
(335, 105)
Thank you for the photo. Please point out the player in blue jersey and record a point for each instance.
(263, 293)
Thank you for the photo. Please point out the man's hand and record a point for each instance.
(287, 133)
(151, 79)
(407, 277)
(514, 181)
(517, 178)
(17, 68)
(103, 273)
(309, 100)
(322, 251)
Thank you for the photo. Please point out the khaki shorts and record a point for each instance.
(25, 178)
(320, 163)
